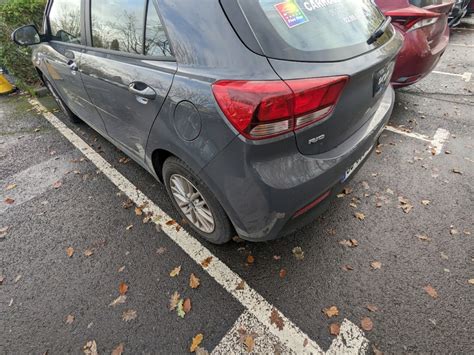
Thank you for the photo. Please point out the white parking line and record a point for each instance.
(437, 143)
(467, 76)
(461, 45)
(440, 137)
(421, 137)
(350, 341)
(249, 326)
(290, 335)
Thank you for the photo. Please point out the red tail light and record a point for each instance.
(412, 18)
(263, 109)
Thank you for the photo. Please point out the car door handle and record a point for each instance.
(142, 90)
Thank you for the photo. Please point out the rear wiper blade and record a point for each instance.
(379, 31)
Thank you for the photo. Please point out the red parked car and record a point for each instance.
(424, 25)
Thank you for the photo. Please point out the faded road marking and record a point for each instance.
(290, 336)
(440, 137)
(248, 325)
(36, 180)
(437, 143)
(350, 340)
(466, 76)
(421, 137)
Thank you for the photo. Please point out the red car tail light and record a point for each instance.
(263, 109)
(412, 18)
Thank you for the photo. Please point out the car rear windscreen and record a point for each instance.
(424, 3)
(312, 29)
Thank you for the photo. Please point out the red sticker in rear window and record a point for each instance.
(291, 13)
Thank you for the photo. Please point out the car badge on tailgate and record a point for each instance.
(382, 78)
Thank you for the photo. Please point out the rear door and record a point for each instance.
(311, 39)
(127, 68)
(61, 57)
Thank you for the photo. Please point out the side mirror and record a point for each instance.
(26, 36)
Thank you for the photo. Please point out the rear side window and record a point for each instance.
(65, 21)
(311, 29)
(120, 25)
(156, 42)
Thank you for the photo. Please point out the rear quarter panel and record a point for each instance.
(206, 49)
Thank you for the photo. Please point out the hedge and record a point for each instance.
(17, 60)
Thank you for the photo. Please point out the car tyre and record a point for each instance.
(62, 105)
(178, 178)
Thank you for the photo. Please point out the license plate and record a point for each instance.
(382, 78)
(354, 166)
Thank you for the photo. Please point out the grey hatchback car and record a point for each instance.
(253, 113)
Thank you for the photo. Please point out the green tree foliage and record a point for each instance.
(13, 14)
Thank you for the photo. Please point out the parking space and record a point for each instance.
(393, 255)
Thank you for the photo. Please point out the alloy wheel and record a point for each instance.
(192, 203)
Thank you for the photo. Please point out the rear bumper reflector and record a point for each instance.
(312, 204)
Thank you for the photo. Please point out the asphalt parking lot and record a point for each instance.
(389, 267)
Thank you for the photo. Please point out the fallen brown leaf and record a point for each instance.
(194, 281)
(347, 268)
(331, 311)
(250, 259)
(298, 253)
(9, 201)
(69, 319)
(90, 348)
(425, 202)
(129, 315)
(187, 305)
(10, 187)
(347, 190)
(2, 278)
(121, 269)
(197, 340)
(276, 319)
(351, 243)
(457, 171)
(431, 291)
(138, 211)
(372, 308)
(88, 252)
(470, 281)
(240, 285)
(376, 265)
(57, 184)
(249, 343)
(123, 288)
(360, 216)
(129, 227)
(174, 300)
(118, 350)
(367, 324)
(127, 204)
(423, 237)
(283, 273)
(70, 252)
(171, 222)
(175, 272)
(334, 329)
(454, 231)
(205, 263)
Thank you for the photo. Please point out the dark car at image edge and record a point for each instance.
(254, 114)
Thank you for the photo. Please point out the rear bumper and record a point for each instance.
(262, 186)
(418, 57)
